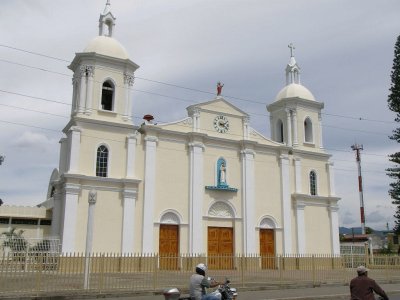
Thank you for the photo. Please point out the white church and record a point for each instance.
(207, 184)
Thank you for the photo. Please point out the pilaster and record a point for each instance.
(331, 175)
(196, 197)
(298, 177)
(286, 205)
(128, 83)
(149, 190)
(248, 196)
(75, 145)
(301, 230)
(131, 141)
(334, 218)
(289, 127)
(128, 220)
(70, 217)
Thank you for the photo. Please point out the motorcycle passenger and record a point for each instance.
(199, 283)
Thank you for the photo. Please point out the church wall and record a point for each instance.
(267, 188)
(107, 220)
(172, 184)
(317, 228)
(114, 140)
(319, 167)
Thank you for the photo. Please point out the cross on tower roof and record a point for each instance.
(292, 47)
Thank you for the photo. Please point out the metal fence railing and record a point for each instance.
(38, 273)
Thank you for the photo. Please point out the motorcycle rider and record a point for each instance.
(363, 287)
(199, 283)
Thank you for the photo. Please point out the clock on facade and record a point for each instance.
(221, 124)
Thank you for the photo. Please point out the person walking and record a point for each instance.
(362, 287)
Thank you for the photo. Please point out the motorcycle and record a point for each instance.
(223, 292)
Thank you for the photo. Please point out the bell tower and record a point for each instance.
(103, 76)
(295, 115)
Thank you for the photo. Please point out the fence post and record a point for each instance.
(387, 267)
(280, 263)
(102, 264)
(242, 269)
(313, 270)
(39, 275)
(155, 270)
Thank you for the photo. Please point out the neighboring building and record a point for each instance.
(209, 183)
(34, 221)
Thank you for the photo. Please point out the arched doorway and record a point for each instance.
(169, 241)
(220, 239)
(267, 243)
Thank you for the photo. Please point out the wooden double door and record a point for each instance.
(169, 247)
(220, 248)
(267, 248)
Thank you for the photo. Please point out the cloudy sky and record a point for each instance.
(345, 49)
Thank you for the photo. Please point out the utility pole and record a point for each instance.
(357, 148)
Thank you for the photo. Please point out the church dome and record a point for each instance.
(108, 46)
(295, 90)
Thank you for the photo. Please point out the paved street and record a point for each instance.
(325, 292)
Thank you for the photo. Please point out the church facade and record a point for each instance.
(207, 184)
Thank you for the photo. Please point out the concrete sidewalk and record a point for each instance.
(290, 293)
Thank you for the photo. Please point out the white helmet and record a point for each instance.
(202, 267)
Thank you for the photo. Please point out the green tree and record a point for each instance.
(394, 105)
(14, 240)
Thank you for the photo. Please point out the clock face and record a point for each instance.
(221, 124)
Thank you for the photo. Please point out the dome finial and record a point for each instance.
(106, 21)
(292, 69)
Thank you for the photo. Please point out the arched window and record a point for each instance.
(279, 131)
(107, 96)
(313, 183)
(308, 135)
(102, 161)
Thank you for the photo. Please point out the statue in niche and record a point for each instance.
(221, 168)
(222, 174)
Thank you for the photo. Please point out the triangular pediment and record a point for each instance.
(218, 105)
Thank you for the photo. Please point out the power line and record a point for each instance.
(172, 85)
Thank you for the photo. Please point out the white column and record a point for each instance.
(128, 221)
(286, 205)
(298, 178)
(331, 176)
(131, 141)
(82, 90)
(70, 216)
(289, 128)
(90, 220)
(248, 201)
(301, 230)
(333, 214)
(295, 129)
(321, 144)
(149, 190)
(75, 145)
(128, 83)
(196, 198)
(89, 89)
